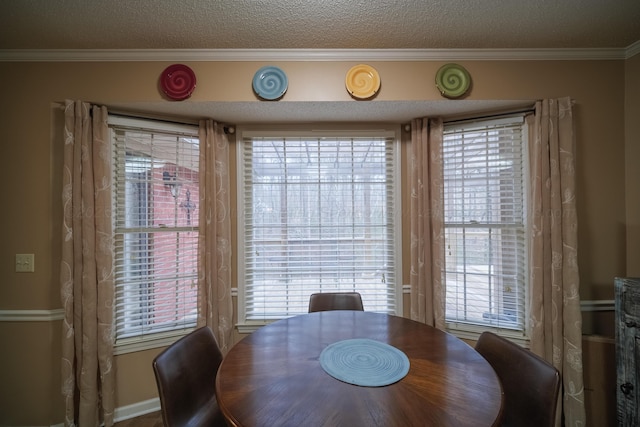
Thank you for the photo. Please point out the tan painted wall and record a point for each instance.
(632, 164)
(29, 134)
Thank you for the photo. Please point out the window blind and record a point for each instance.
(485, 240)
(156, 188)
(318, 216)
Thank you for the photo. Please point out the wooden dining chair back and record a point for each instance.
(327, 301)
(186, 375)
(530, 384)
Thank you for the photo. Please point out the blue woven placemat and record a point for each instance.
(364, 362)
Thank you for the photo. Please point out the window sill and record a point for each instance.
(247, 328)
(472, 333)
(149, 342)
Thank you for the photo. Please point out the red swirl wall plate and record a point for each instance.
(178, 82)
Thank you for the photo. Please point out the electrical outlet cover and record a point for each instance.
(25, 263)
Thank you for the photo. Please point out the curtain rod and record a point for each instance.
(147, 116)
(524, 112)
(139, 115)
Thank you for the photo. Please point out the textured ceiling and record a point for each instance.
(288, 112)
(317, 24)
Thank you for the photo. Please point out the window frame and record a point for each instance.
(469, 330)
(159, 339)
(315, 131)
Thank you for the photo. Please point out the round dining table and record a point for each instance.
(273, 377)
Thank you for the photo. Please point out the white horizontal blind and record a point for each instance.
(485, 241)
(156, 227)
(318, 217)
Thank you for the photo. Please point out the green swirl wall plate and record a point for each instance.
(452, 80)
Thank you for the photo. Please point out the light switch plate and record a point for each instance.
(25, 263)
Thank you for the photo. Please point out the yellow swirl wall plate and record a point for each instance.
(362, 81)
(452, 80)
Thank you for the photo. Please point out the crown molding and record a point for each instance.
(350, 55)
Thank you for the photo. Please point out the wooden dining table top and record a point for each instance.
(273, 377)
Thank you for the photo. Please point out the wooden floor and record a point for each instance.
(153, 419)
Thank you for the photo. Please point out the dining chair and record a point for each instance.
(326, 301)
(186, 376)
(530, 384)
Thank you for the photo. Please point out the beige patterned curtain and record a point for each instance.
(215, 307)
(427, 211)
(555, 317)
(86, 272)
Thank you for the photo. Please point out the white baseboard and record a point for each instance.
(131, 411)
(137, 409)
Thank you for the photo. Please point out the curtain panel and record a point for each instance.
(427, 223)
(86, 270)
(215, 308)
(555, 323)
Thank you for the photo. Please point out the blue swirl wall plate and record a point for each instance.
(270, 83)
(452, 80)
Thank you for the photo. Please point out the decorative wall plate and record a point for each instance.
(362, 81)
(270, 83)
(452, 80)
(178, 82)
